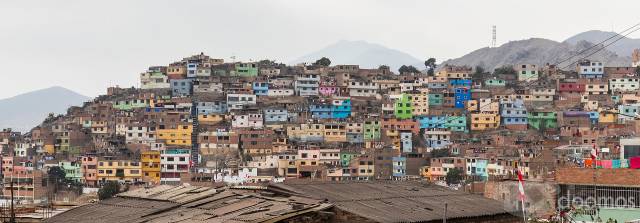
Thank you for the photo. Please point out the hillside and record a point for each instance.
(534, 51)
(25, 111)
(622, 47)
(365, 54)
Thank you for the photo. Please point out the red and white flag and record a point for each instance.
(594, 152)
(520, 185)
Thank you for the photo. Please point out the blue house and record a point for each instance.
(354, 137)
(192, 67)
(477, 167)
(399, 166)
(341, 108)
(181, 87)
(406, 142)
(320, 111)
(337, 109)
(460, 83)
(276, 115)
(211, 107)
(432, 121)
(260, 88)
(514, 114)
(462, 95)
(594, 116)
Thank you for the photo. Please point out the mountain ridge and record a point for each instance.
(27, 110)
(360, 52)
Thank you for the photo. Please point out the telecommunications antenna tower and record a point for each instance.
(493, 36)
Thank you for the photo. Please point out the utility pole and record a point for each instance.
(12, 218)
(444, 219)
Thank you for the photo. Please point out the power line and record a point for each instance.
(603, 47)
(597, 44)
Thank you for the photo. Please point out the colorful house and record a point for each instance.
(150, 161)
(541, 120)
(456, 123)
(403, 108)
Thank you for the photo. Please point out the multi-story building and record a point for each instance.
(307, 84)
(173, 164)
(125, 171)
(403, 107)
(246, 69)
(150, 161)
(590, 69)
(89, 170)
(527, 72)
(484, 121)
(624, 84)
(514, 115)
(154, 80)
(177, 135)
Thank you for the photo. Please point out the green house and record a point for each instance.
(371, 130)
(246, 69)
(131, 104)
(456, 123)
(72, 170)
(346, 157)
(543, 120)
(435, 99)
(494, 83)
(403, 108)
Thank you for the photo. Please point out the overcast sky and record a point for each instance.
(87, 46)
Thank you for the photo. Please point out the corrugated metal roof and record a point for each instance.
(191, 204)
(397, 201)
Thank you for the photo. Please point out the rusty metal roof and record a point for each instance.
(192, 204)
(397, 201)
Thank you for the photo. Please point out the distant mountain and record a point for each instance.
(622, 47)
(535, 51)
(25, 111)
(367, 55)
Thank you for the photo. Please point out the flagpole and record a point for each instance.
(524, 215)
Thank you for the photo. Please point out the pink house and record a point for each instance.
(89, 167)
(328, 90)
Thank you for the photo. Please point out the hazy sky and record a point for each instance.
(87, 46)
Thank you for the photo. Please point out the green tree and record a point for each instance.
(479, 70)
(325, 62)
(56, 174)
(408, 69)
(454, 176)
(383, 67)
(108, 190)
(505, 69)
(430, 64)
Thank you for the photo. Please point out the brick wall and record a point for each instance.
(610, 177)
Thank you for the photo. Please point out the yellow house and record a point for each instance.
(150, 161)
(181, 135)
(424, 172)
(49, 148)
(484, 121)
(472, 105)
(451, 72)
(335, 132)
(420, 103)
(608, 117)
(211, 118)
(306, 131)
(119, 170)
